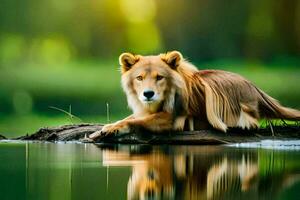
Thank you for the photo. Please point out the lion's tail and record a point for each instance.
(272, 109)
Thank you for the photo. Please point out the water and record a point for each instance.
(87, 171)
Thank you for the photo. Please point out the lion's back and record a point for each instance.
(232, 84)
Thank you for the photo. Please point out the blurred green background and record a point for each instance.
(64, 54)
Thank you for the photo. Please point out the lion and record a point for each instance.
(168, 93)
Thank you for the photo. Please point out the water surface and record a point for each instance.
(88, 171)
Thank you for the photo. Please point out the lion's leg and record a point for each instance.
(248, 117)
(115, 125)
(156, 122)
(191, 123)
(179, 123)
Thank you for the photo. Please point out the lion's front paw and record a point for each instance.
(119, 127)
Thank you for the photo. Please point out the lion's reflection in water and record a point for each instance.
(186, 173)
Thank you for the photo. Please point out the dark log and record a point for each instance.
(79, 131)
(63, 133)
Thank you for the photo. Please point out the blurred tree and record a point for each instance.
(205, 29)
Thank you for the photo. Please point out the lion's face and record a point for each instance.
(151, 84)
(150, 81)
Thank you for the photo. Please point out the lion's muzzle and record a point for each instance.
(148, 94)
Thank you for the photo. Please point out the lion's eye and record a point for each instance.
(159, 77)
(139, 78)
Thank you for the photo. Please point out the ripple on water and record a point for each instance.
(270, 144)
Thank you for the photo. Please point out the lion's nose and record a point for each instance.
(148, 94)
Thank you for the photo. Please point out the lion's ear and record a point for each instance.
(172, 58)
(127, 60)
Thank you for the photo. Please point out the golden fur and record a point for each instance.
(185, 96)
